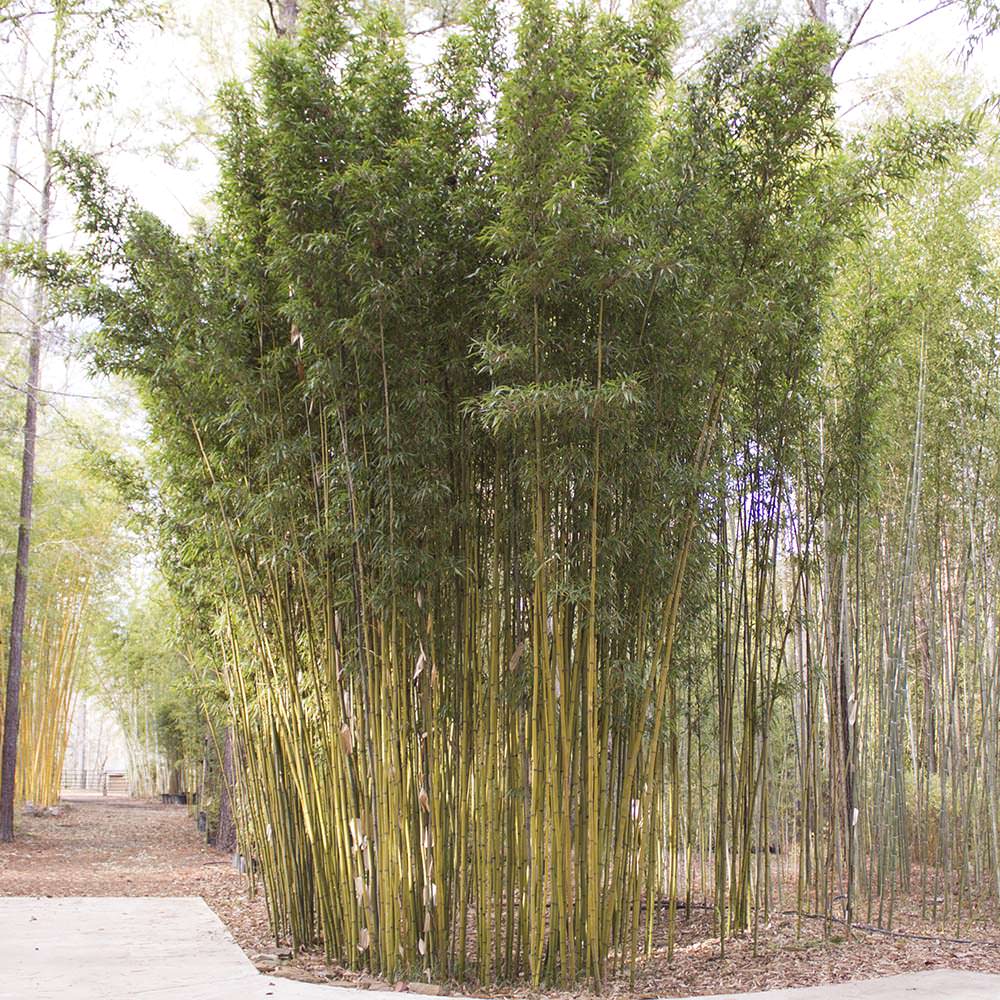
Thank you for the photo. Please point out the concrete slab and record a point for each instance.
(938, 984)
(76, 948)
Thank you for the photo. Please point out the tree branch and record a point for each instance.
(899, 27)
(274, 19)
(851, 36)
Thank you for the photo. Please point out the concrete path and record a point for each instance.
(939, 984)
(177, 949)
(92, 948)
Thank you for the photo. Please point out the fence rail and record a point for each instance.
(106, 782)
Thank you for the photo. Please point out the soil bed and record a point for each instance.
(122, 847)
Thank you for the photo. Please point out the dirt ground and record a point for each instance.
(122, 847)
(129, 847)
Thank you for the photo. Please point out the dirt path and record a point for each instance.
(129, 847)
(118, 847)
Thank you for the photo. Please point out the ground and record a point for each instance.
(120, 847)
(129, 847)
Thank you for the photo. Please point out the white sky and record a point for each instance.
(174, 72)
(939, 39)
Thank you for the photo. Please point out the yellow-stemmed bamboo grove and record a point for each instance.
(76, 552)
(48, 689)
(490, 437)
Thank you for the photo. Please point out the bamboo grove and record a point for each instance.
(79, 549)
(47, 692)
(562, 547)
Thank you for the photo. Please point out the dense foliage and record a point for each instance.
(519, 427)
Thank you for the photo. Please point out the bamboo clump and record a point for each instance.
(545, 528)
(49, 685)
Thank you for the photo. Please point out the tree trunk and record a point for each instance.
(285, 14)
(12, 703)
(20, 104)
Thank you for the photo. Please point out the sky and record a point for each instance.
(177, 71)
(939, 39)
